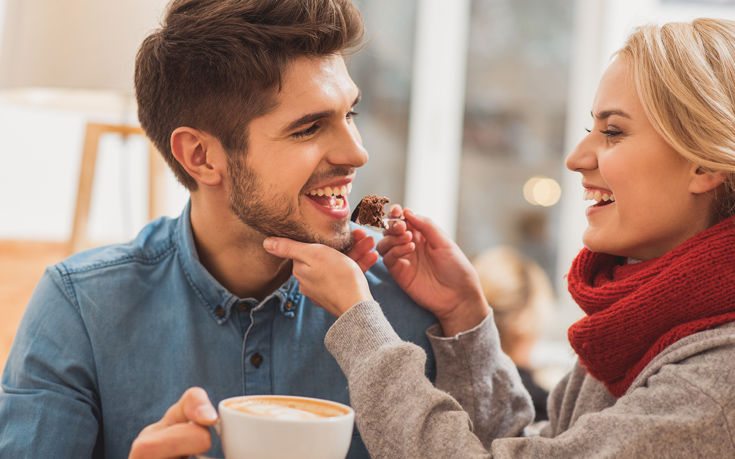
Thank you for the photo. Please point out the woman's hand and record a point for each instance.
(432, 269)
(362, 249)
(332, 280)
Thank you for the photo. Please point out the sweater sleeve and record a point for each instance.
(401, 414)
(473, 369)
(679, 406)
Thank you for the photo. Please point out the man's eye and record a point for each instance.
(307, 132)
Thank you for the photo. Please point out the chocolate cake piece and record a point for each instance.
(370, 211)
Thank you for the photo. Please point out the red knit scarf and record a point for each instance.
(634, 311)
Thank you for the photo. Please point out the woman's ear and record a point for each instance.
(200, 154)
(703, 180)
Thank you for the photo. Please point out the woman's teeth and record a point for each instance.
(599, 196)
(342, 191)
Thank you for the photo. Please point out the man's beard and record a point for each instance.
(274, 215)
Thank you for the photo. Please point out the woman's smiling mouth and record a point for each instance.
(602, 197)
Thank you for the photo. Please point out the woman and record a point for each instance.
(656, 350)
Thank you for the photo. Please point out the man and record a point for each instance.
(252, 106)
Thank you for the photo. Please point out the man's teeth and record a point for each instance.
(597, 195)
(343, 191)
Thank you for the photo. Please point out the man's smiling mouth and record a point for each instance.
(331, 197)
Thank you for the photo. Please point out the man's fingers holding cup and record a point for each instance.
(184, 439)
(194, 406)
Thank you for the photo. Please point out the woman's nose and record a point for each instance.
(583, 156)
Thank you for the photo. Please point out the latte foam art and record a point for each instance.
(277, 411)
(286, 408)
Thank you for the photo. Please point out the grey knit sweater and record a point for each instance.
(681, 405)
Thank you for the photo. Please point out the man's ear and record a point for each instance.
(704, 180)
(200, 154)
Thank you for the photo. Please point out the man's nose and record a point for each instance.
(347, 148)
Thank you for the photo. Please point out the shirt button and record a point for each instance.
(289, 306)
(219, 311)
(243, 307)
(256, 359)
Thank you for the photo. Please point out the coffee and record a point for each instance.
(283, 407)
(253, 426)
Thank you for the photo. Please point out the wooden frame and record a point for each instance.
(92, 136)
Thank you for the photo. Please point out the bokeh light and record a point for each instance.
(542, 191)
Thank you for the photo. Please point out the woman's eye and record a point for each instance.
(351, 114)
(611, 132)
(587, 130)
(307, 132)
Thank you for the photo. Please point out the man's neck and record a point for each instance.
(233, 253)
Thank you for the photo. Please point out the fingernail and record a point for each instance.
(269, 244)
(207, 413)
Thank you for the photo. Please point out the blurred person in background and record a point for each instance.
(521, 297)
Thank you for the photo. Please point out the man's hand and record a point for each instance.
(181, 431)
(331, 279)
(432, 269)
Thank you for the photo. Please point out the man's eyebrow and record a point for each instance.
(608, 113)
(307, 119)
(311, 117)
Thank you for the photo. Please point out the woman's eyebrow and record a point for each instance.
(608, 113)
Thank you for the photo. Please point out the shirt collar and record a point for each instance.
(214, 296)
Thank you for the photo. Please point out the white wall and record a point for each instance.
(40, 154)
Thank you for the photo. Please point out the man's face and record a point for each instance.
(294, 179)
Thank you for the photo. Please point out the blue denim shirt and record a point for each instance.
(113, 336)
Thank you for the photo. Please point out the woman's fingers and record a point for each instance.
(360, 246)
(288, 248)
(392, 256)
(390, 241)
(395, 211)
(367, 260)
(431, 233)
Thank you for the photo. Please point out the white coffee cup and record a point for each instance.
(284, 426)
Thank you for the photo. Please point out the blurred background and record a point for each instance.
(469, 108)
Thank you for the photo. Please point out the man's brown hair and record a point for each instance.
(214, 65)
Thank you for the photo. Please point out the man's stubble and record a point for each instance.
(275, 215)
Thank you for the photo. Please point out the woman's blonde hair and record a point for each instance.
(684, 74)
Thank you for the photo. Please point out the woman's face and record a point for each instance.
(645, 203)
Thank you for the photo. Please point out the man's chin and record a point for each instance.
(338, 237)
(340, 240)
